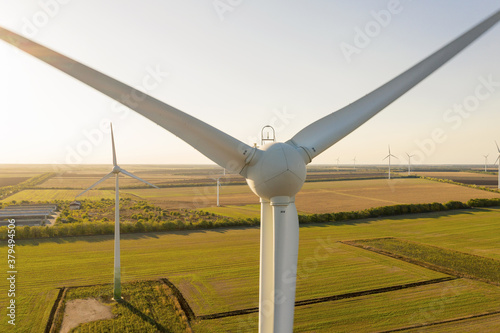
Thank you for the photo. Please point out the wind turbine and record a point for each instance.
(409, 162)
(485, 162)
(218, 185)
(354, 162)
(338, 161)
(117, 290)
(498, 160)
(389, 156)
(275, 172)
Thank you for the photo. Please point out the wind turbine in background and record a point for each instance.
(217, 179)
(117, 290)
(338, 161)
(409, 162)
(498, 160)
(276, 172)
(485, 162)
(389, 157)
(354, 163)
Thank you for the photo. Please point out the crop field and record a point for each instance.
(50, 195)
(227, 279)
(472, 178)
(13, 174)
(315, 197)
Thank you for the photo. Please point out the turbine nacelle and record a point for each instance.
(116, 169)
(279, 170)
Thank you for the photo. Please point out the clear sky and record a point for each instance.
(240, 65)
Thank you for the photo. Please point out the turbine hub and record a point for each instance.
(116, 169)
(279, 171)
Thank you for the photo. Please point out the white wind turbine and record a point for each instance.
(277, 171)
(117, 290)
(409, 162)
(498, 160)
(486, 162)
(389, 157)
(354, 163)
(338, 161)
(219, 185)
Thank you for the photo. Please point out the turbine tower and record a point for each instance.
(117, 290)
(277, 171)
(498, 160)
(409, 162)
(485, 162)
(389, 157)
(219, 185)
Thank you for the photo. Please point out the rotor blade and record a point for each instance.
(100, 181)
(113, 144)
(320, 135)
(394, 156)
(125, 172)
(497, 160)
(218, 146)
(385, 157)
(498, 148)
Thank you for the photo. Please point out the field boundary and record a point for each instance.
(452, 182)
(332, 298)
(443, 322)
(55, 312)
(180, 298)
(421, 263)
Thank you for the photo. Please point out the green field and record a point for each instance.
(218, 271)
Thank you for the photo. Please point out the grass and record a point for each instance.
(236, 212)
(148, 306)
(377, 313)
(218, 270)
(454, 262)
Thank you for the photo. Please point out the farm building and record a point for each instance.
(75, 205)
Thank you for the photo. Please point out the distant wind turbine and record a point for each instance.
(498, 160)
(354, 160)
(389, 156)
(116, 171)
(409, 162)
(485, 162)
(275, 172)
(217, 179)
(338, 161)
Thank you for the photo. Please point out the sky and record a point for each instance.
(240, 65)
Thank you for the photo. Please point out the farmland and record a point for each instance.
(339, 285)
(224, 281)
(315, 197)
(469, 178)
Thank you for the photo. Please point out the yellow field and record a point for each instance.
(316, 197)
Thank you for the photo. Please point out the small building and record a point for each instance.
(75, 205)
